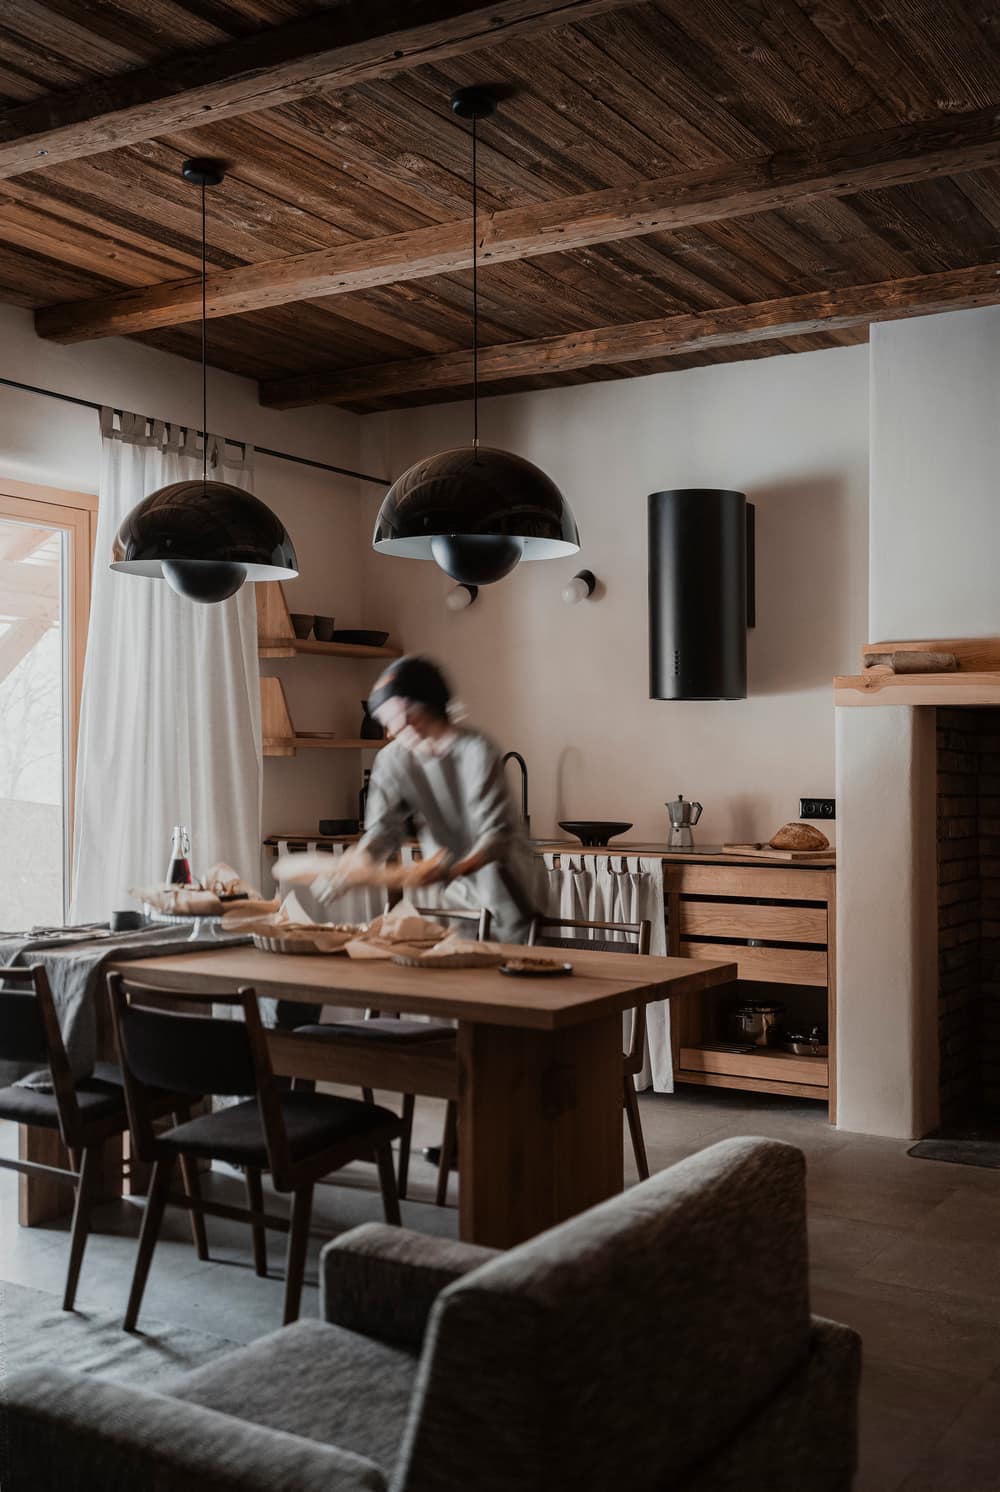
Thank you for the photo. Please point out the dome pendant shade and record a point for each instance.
(450, 506)
(205, 538)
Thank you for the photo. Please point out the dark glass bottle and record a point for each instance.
(179, 869)
(363, 799)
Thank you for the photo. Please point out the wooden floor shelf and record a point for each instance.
(765, 1062)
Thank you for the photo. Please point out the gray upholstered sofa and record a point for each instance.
(662, 1340)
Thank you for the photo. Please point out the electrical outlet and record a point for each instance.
(817, 808)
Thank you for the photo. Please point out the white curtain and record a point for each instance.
(170, 716)
(620, 888)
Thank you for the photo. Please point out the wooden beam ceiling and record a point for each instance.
(885, 159)
(329, 50)
(793, 316)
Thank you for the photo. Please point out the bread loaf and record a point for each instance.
(799, 837)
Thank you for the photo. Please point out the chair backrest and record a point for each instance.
(619, 937)
(625, 1344)
(192, 1054)
(29, 1032)
(22, 1026)
(465, 916)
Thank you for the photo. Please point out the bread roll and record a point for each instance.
(799, 837)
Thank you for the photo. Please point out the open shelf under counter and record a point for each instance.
(766, 1069)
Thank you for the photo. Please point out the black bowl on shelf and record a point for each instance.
(594, 833)
(360, 638)
(334, 828)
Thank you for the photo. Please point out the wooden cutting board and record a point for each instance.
(765, 852)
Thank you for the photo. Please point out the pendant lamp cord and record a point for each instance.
(475, 292)
(204, 339)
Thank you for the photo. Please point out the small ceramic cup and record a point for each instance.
(324, 628)
(302, 623)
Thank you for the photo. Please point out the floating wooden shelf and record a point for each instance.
(284, 647)
(282, 739)
(276, 636)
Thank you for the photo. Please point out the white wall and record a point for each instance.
(568, 686)
(58, 445)
(935, 476)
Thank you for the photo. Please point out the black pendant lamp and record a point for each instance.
(204, 538)
(476, 511)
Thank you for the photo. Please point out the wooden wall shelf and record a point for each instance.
(276, 636)
(283, 647)
(282, 739)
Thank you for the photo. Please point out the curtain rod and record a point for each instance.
(341, 471)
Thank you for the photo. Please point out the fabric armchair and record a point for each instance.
(662, 1339)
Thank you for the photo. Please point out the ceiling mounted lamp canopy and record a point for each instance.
(204, 538)
(476, 511)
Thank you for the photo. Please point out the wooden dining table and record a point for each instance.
(538, 1075)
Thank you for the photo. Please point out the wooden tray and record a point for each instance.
(765, 852)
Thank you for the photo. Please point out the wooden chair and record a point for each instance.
(298, 1137)
(85, 1113)
(633, 937)
(378, 1029)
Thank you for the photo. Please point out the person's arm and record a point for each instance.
(386, 813)
(491, 816)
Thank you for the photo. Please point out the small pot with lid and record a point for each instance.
(756, 1022)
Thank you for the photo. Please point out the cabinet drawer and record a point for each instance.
(741, 919)
(779, 882)
(770, 965)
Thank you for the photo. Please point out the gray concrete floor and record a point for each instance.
(905, 1251)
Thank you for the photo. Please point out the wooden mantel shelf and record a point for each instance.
(917, 689)
(975, 682)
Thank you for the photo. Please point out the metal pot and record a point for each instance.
(755, 1022)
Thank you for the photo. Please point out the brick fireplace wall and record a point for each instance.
(968, 855)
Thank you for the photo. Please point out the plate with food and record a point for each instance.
(530, 967)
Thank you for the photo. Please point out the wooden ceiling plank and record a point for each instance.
(328, 50)
(859, 163)
(876, 52)
(793, 316)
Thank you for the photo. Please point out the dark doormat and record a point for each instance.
(962, 1147)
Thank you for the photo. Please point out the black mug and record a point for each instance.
(127, 921)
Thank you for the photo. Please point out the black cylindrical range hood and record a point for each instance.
(698, 593)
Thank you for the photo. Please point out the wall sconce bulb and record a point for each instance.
(580, 588)
(461, 597)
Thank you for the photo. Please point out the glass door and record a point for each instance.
(44, 595)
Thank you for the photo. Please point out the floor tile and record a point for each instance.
(970, 1269)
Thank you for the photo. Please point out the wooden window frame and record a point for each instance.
(76, 514)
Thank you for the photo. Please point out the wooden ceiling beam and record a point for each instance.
(669, 336)
(329, 50)
(868, 162)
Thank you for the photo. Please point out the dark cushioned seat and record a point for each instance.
(98, 1097)
(313, 1121)
(313, 1380)
(381, 1028)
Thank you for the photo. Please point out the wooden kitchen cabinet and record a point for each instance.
(777, 921)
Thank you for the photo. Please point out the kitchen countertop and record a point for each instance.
(707, 853)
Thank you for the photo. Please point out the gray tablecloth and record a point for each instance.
(74, 969)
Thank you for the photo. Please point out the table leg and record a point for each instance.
(540, 1126)
(42, 1198)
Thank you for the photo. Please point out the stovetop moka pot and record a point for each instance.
(683, 816)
